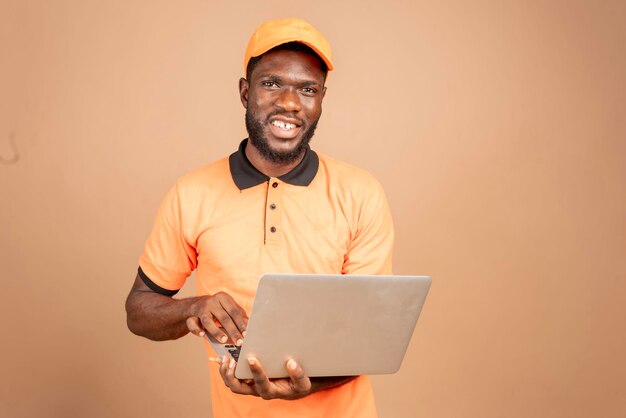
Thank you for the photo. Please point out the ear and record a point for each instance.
(244, 87)
(324, 93)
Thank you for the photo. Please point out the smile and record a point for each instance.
(284, 126)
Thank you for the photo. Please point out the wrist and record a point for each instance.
(323, 383)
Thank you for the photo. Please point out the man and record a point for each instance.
(273, 206)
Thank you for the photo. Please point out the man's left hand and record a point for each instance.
(297, 385)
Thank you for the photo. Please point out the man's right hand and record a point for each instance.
(159, 317)
(208, 313)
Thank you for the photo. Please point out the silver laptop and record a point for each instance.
(333, 325)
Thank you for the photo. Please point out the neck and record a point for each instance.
(266, 167)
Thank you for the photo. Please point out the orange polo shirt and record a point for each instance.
(232, 224)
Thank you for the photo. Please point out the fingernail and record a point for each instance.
(251, 361)
(244, 334)
(201, 333)
(215, 359)
(223, 359)
(239, 342)
(291, 364)
(232, 363)
(223, 339)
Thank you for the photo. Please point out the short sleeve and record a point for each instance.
(371, 248)
(168, 258)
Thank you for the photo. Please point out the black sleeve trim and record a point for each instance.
(155, 287)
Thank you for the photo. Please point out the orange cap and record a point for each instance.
(277, 32)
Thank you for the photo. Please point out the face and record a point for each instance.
(283, 101)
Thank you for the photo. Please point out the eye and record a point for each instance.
(270, 84)
(309, 91)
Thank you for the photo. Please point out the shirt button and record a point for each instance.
(274, 185)
(272, 206)
(273, 229)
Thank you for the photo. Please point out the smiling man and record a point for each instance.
(274, 205)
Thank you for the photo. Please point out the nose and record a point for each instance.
(288, 100)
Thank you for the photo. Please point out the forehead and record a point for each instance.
(290, 64)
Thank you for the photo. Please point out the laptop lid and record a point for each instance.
(333, 325)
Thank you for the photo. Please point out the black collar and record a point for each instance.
(245, 175)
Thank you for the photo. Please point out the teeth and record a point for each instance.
(282, 125)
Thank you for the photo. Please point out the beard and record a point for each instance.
(258, 139)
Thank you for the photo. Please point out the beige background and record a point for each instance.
(497, 129)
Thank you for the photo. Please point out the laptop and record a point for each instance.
(332, 324)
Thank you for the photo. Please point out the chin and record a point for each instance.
(284, 145)
(280, 151)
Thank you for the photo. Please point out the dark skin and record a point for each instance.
(287, 87)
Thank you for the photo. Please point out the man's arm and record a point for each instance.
(159, 317)
(321, 383)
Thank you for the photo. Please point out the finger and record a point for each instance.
(233, 318)
(223, 370)
(215, 332)
(236, 312)
(227, 372)
(262, 384)
(300, 382)
(194, 326)
(227, 323)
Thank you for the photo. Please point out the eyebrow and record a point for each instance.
(302, 83)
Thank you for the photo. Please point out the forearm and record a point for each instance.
(158, 317)
(322, 383)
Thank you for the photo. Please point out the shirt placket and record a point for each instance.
(273, 211)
